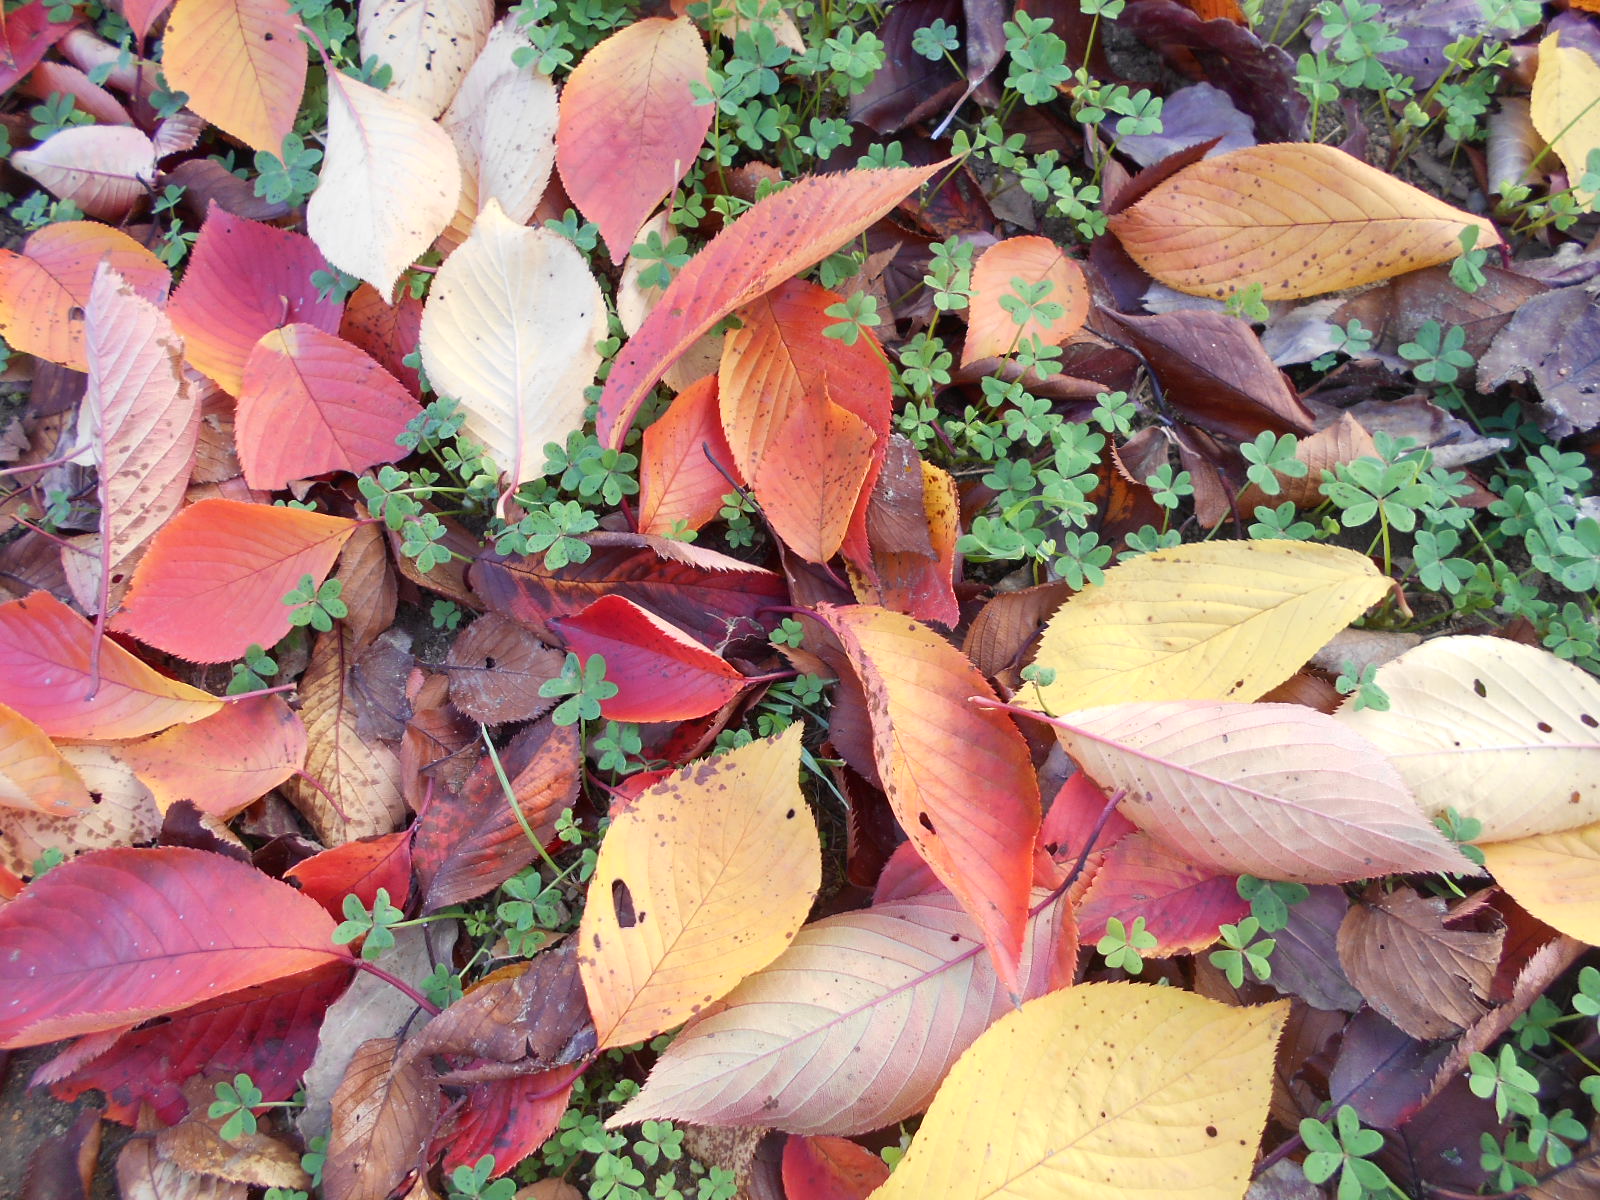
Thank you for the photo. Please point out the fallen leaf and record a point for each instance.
(679, 479)
(1505, 733)
(806, 457)
(386, 331)
(104, 169)
(958, 777)
(1273, 790)
(661, 673)
(212, 582)
(991, 329)
(33, 775)
(510, 330)
(140, 421)
(242, 63)
(1430, 980)
(388, 185)
(830, 1168)
(125, 814)
(1300, 219)
(1072, 1096)
(226, 762)
(854, 1025)
(353, 789)
(44, 291)
(359, 868)
(1551, 343)
(252, 1158)
(245, 279)
(428, 46)
(900, 574)
(1555, 876)
(1208, 621)
(345, 409)
(383, 1114)
(777, 238)
(703, 879)
(26, 34)
(1184, 904)
(1566, 94)
(497, 668)
(47, 673)
(630, 128)
(190, 925)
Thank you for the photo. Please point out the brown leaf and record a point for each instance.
(1427, 978)
(496, 670)
(1344, 441)
(252, 1158)
(368, 586)
(1004, 626)
(1213, 370)
(383, 1113)
(143, 1175)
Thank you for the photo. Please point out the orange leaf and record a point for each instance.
(213, 581)
(959, 778)
(780, 237)
(806, 457)
(242, 63)
(661, 673)
(344, 408)
(33, 775)
(245, 279)
(678, 476)
(45, 289)
(46, 674)
(990, 328)
(702, 879)
(830, 1168)
(226, 762)
(630, 128)
(1298, 218)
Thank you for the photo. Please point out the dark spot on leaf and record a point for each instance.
(1545, 727)
(1588, 720)
(1211, 1131)
(789, 816)
(622, 903)
(922, 819)
(1477, 686)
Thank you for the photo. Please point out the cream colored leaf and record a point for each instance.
(503, 122)
(427, 44)
(1501, 732)
(634, 302)
(389, 184)
(1300, 219)
(126, 813)
(1555, 876)
(1207, 621)
(1101, 1090)
(103, 169)
(1275, 790)
(1565, 106)
(853, 1026)
(510, 331)
(702, 880)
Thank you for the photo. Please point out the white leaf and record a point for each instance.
(103, 169)
(510, 331)
(389, 184)
(428, 44)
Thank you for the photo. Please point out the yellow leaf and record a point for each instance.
(510, 331)
(1506, 733)
(388, 187)
(702, 880)
(1298, 218)
(1565, 106)
(33, 775)
(1208, 621)
(1097, 1091)
(1555, 876)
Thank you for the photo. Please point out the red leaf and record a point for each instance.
(120, 936)
(807, 457)
(1183, 905)
(678, 476)
(830, 1168)
(630, 128)
(661, 673)
(357, 868)
(47, 675)
(25, 35)
(509, 1118)
(245, 279)
(959, 778)
(213, 581)
(344, 408)
(700, 591)
(778, 238)
(226, 762)
(269, 1032)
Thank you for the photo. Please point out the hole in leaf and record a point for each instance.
(789, 816)
(488, 662)
(622, 903)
